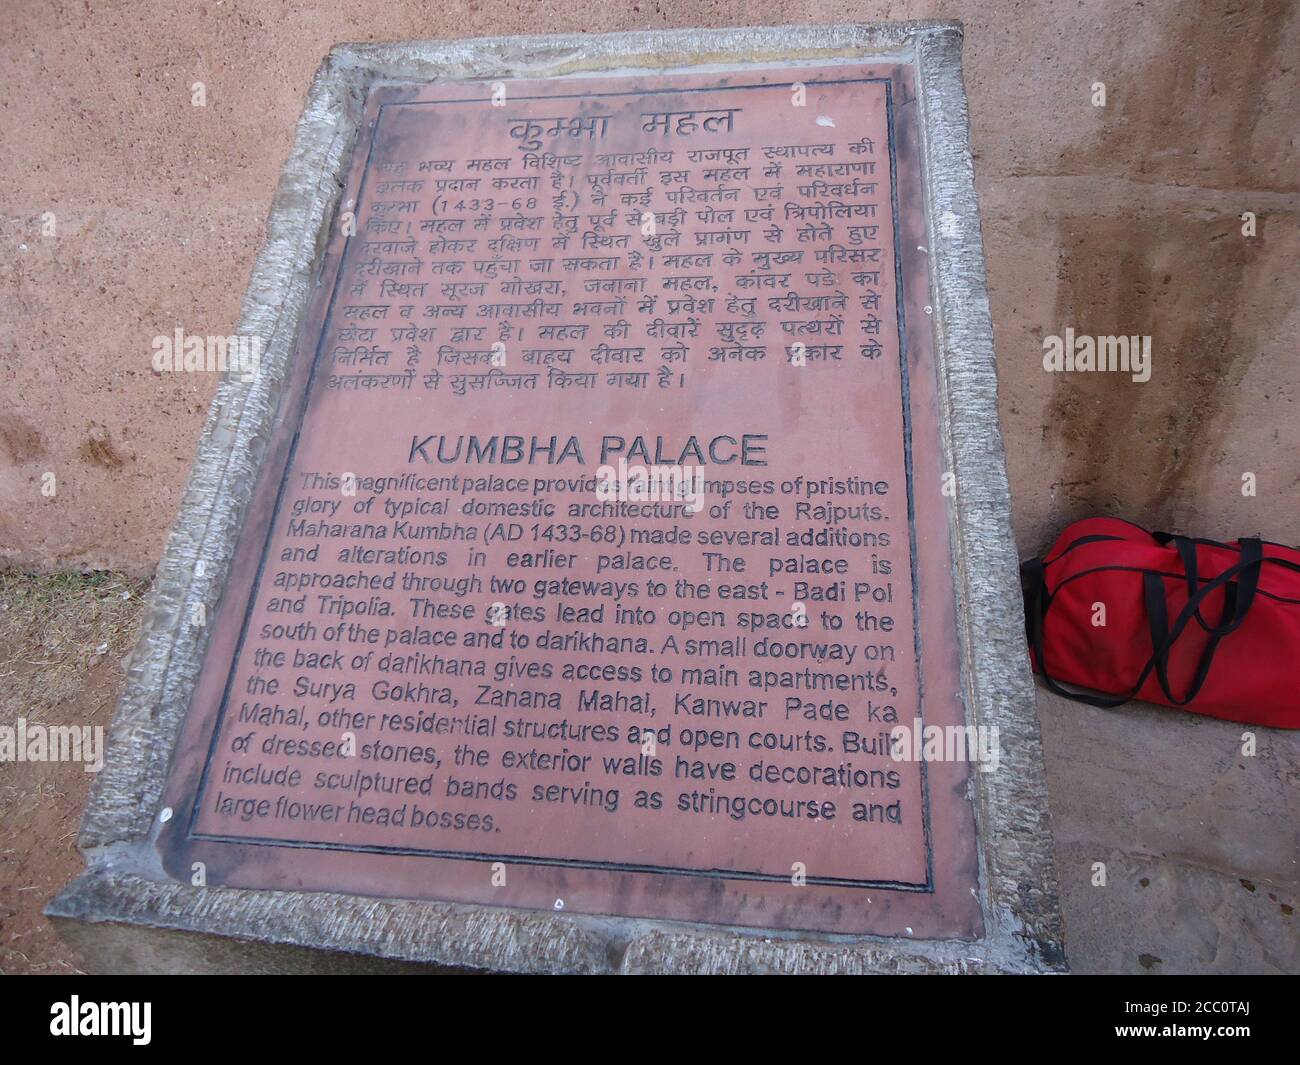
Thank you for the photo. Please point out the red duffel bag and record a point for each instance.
(1212, 628)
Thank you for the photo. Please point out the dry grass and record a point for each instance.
(60, 624)
(64, 640)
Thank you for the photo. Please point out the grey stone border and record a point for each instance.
(126, 915)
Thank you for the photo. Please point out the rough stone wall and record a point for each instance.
(1122, 219)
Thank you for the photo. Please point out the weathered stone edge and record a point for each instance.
(124, 883)
(1011, 802)
(192, 572)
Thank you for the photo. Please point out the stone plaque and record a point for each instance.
(600, 557)
(608, 545)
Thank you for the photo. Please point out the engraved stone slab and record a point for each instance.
(652, 706)
(603, 532)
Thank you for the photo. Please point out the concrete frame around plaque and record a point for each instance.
(126, 915)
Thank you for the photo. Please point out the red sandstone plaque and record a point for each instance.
(603, 543)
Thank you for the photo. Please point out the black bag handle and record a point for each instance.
(1238, 598)
(1250, 547)
(1162, 639)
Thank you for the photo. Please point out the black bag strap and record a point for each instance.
(1037, 603)
(1251, 548)
(1153, 586)
(1238, 597)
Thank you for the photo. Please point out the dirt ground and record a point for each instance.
(63, 644)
